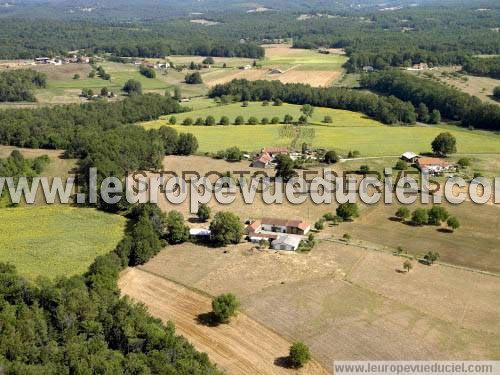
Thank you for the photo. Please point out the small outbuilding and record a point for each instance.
(409, 156)
(286, 242)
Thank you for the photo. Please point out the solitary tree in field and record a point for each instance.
(203, 212)
(407, 265)
(299, 354)
(328, 120)
(224, 307)
(403, 213)
(453, 223)
(444, 144)
(348, 211)
(209, 60)
(172, 120)
(431, 256)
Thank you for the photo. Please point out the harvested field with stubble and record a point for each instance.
(349, 303)
(241, 347)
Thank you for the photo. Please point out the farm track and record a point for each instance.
(242, 347)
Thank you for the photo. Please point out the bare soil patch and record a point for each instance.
(241, 347)
(346, 302)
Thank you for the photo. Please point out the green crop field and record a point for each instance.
(56, 240)
(349, 131)
(285, 57)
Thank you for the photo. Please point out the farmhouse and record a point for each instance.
(433, 165)
(409, 156)
(42, 60)
(263, 161)
(273, 225)
(273, 151)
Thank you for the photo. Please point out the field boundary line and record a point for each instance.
(191, 288)
(444, 264)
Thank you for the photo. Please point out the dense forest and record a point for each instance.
(433, 34)
(481, 66)
(452, 104)
(17, 85)
(389, 110)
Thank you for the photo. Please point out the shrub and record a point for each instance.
(239, 120)
(453, 223)
(331, 157)
(347, 211)
(193, 78)
(299, 354)
(437, 214)
(420, 216)
(401, 165)
(403, 213)
(199, 121)
(328, 120)
(275, 120)
(224, 120)
(278, 102)
(210, 121)
(224, 307)
(463, 162)
(203, 212)
(172, 120)
(187, 121)
(253, 120)
(264, 121)
(320, 224)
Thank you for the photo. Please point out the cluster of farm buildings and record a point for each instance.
(431, 165)
(280, 234)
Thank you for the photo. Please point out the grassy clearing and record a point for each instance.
(482, 87)
(284, 57)
(56, 240)
(346, 302)
(349, 131)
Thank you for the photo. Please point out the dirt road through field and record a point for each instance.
(241, 347)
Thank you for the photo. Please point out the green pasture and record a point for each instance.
(56, 240)
(349, 131)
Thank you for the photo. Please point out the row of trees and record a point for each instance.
(238, 120)
(451, 103)
(389, 110)
(17, 85)
(433, 216)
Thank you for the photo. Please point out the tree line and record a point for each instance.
(452, 104)
(17, 85)
(483, 66)
(101, 135)
(389, 110)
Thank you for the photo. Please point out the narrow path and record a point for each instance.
(243, 346)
